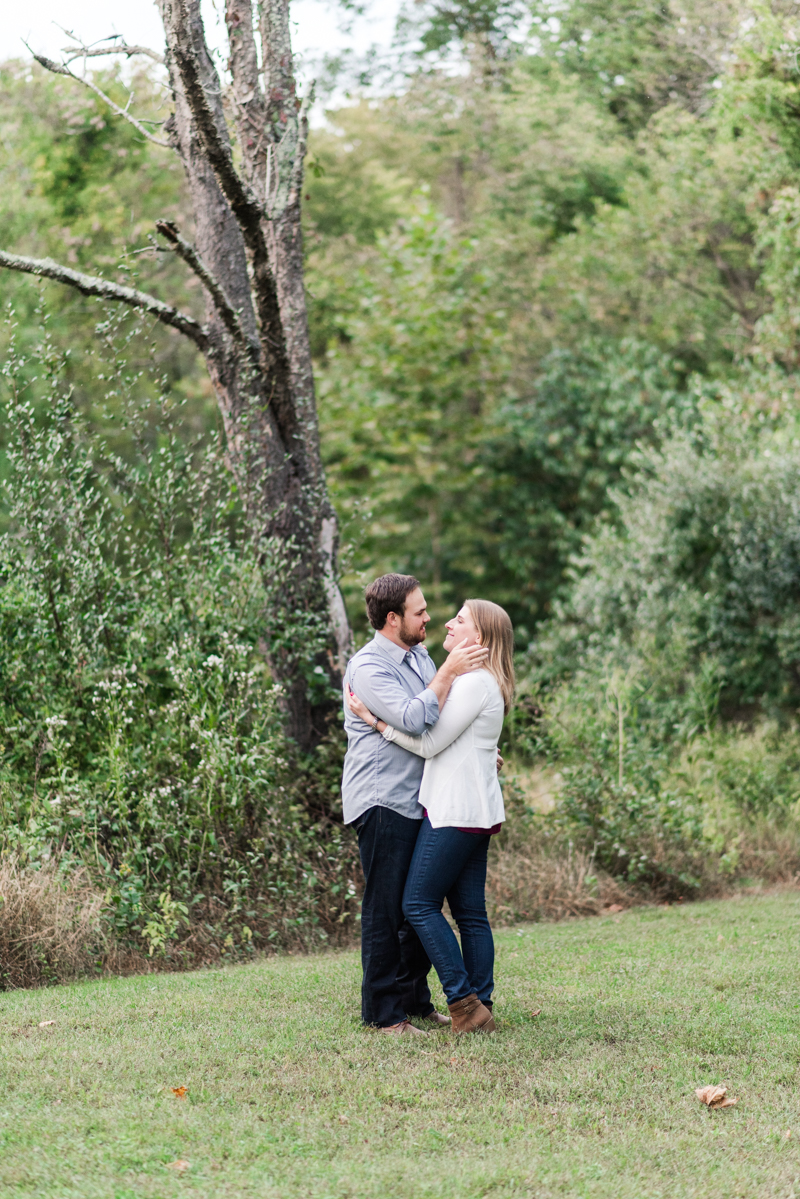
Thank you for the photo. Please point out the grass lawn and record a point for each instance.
(287, 1096)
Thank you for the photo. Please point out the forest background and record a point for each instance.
(552, 268)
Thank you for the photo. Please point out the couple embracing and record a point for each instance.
(420, 787)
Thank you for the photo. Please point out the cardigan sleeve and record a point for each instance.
(465, 702)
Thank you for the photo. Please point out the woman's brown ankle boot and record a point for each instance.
(469, 1015)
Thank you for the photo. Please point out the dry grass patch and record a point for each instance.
(524, 882)
(51, 926)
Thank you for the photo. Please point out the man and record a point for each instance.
(396, 679)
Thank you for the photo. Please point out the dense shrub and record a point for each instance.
(676, 814)
(141, 733)
(665, 692)
(703, 561)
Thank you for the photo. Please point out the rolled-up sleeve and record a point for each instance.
(385, 697)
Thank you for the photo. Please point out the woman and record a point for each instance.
(463, 805)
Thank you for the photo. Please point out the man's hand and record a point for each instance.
(465, 658)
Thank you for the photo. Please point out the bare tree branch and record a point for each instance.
(59, 69)
(278, 64)
(243, 201)
(213, 136)
(95, 51)
(249, 106)
(92, 285)
(227, 312)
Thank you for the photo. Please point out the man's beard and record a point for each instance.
(408, 638)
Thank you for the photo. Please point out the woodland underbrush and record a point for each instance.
(543, 867)
(151, 806)
(57, 924)
(527, 881)
(621, 803)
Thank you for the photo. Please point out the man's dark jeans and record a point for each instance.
(396, 967)
(450, 863)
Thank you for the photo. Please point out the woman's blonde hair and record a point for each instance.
(496, 632)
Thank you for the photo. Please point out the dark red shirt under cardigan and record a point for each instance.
(477, 832)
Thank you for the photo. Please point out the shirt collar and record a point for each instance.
(396, 652)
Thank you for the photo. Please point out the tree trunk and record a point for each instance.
(249, 256)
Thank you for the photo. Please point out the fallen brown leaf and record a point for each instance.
(787, 1134)
(715, 1097)
(615, 907)
(343, 1120)
(179, 1092)
(453, 1061)
(46, 1023)
(178, 1166)
(536, 1012)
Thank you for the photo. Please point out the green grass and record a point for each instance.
(288, 1097)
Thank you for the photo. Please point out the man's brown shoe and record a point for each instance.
(437, 1019)
(469, 1015)
(405, 1026)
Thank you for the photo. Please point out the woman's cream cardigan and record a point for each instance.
(459, 785)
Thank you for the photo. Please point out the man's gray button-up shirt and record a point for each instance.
(393, 683)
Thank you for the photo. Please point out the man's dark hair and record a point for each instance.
(388, 594)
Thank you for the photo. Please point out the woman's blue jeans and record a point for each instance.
(449, 864)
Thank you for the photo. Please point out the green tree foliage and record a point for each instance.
(551, 457)
(433, 335)
(439, 26)
(705, 554)
(611, 238)
(640, 57)
(401, 407)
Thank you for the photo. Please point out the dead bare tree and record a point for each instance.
(248, 256)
